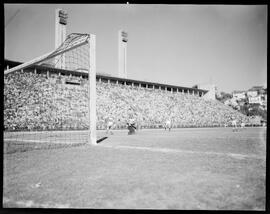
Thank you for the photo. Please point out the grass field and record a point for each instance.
(207, 168)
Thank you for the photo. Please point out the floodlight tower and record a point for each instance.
(60, 34)
(122, 54)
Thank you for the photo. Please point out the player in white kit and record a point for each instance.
(234, 125)
(109, 126)
(168, 124)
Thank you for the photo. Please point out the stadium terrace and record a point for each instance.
(44, 98)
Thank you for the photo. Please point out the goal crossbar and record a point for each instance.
(66, 46)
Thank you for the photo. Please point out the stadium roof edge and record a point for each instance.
(15, 63)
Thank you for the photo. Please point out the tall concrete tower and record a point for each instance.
(60, 34)
(122, 54)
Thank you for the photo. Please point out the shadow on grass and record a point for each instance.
(101, 139)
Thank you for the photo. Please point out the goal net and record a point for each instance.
(51, 100)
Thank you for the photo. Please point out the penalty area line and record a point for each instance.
(27, 141)
(39, 141)
(166, 150)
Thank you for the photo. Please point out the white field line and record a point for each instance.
(29, 141)
(44, 132)
(39, 141)
(234, 155)
(32, 204)
(62, 132)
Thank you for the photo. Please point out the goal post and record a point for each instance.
(78, 52)
(92, 89)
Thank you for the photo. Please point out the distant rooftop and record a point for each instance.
(255, 88)
(238, 92)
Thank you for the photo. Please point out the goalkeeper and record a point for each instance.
(131, 126)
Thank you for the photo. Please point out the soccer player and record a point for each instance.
(243, 125)
(168, 124)
(234, 125)
(109, 126)
(131, 126)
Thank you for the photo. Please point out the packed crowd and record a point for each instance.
(151, 108)
(41, 102)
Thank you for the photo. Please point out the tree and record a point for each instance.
(223, 97)
(244, 109)
(257, 111)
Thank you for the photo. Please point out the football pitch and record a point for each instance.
(189, 168)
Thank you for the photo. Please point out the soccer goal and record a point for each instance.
(52, 98)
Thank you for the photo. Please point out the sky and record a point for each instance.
(180, 45)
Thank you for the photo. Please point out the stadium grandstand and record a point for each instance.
(41, 97)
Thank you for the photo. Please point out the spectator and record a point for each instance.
(37, 102)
